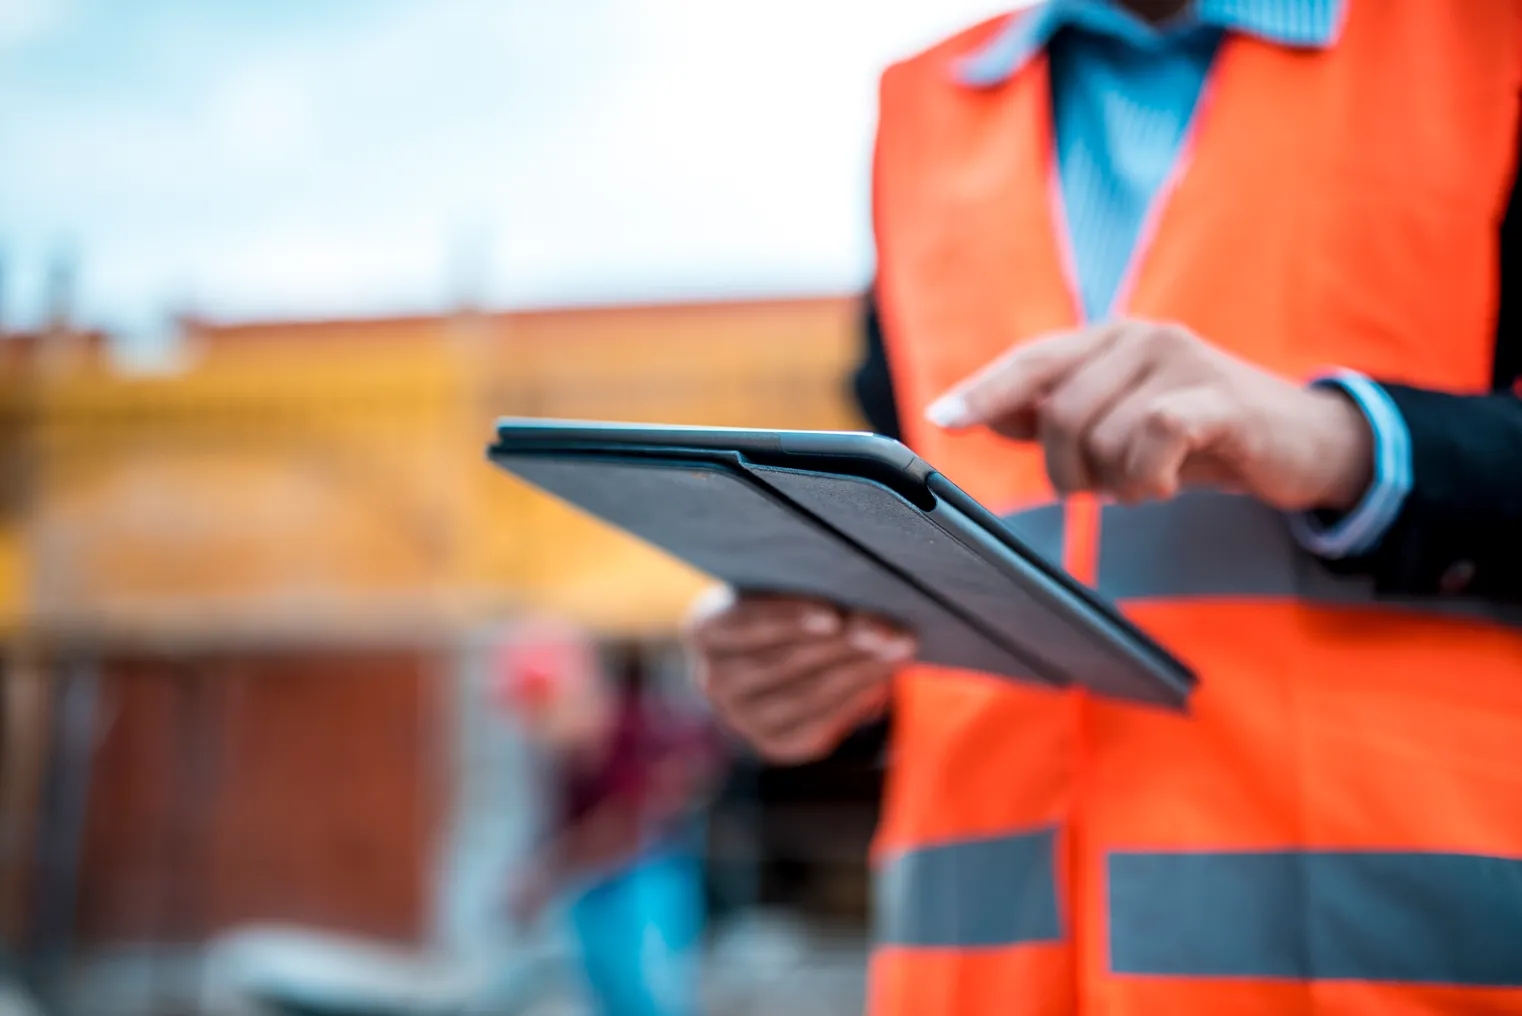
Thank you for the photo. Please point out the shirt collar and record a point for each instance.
(1300, 24)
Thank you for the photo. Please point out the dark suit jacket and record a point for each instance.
(1460, 529)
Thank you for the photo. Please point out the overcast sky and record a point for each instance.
(284, 158)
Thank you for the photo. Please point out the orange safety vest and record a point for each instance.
(1336, 827)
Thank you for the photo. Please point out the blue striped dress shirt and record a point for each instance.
(1123, 95)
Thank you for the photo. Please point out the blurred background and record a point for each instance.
(267, 273)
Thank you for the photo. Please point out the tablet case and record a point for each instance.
(849, 540)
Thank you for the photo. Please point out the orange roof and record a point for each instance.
(532, 321)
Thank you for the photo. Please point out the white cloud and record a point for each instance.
(608, 149)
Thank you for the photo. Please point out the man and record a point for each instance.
(1128, 249)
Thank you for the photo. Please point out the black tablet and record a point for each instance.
(855, 519)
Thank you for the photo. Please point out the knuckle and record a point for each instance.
(1058, 419)
(1149, 475)
(1106, 447)
(1168, 339)
(1163, 420)
(1131, 333)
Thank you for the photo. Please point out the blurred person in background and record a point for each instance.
(1265, 249)
(626, 779)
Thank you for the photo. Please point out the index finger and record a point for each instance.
(1009, 387)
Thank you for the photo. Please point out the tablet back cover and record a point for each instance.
(722, 523)
(847, 540)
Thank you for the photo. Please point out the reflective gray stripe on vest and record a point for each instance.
(1206, 545)
(1199, 544)
(1416, 918)
(987, 892)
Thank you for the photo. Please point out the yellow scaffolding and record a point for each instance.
(326, 479)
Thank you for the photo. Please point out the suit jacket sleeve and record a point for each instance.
(1460, 529)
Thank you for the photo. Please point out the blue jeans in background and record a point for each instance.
(640, 932)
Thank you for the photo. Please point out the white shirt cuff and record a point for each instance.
(1360, 530)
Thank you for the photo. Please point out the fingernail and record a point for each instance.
(868, 640)
(949, 411)
(898, 649)
(821, 622)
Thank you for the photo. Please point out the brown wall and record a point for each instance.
(289, 787)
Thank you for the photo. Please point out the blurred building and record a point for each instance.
(233, 598)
